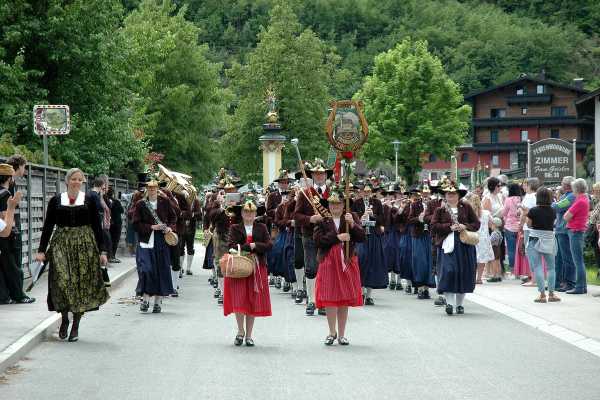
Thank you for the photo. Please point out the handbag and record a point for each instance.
(170, 237)
(236, 265)
(466, 237)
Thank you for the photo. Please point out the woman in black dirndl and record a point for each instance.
(421, 263)
(153, 217)
(458, 261)
(338, 279)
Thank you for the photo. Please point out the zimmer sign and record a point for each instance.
(550, 160)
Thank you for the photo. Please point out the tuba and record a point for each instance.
(178, 183)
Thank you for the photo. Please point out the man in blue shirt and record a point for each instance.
(565, 268)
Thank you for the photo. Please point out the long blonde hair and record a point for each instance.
(475, 203)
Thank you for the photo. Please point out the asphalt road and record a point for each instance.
(400, 348)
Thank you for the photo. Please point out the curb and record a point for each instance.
(13, 353)
(566, 335)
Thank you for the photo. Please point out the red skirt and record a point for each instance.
(336, 286)
(249, 296)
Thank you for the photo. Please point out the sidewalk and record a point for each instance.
(576, 319)
(25, 325)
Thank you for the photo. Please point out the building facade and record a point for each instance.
(506, 116)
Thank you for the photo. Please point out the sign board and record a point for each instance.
(51, 120)
(347, 128)
(550, 160)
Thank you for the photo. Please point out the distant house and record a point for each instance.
(507, 115)
(588, 108)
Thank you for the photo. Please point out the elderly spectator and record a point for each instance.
(565, 269)
(577, 218)
(594, 224)
(542, 244)
(512, 223)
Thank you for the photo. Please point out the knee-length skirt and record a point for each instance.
(371, 261)
(422, 265)
(338, 282)
(404, 264)
(458, 269)
(249, 296)
(154, 268)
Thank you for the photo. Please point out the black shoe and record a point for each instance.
(176, 294)
(156, 309)
(343, 341)
(330, 339)
(449, 309)
(220, 300)
(399, 286)
(299, 297)
(426, 295)
(440, 301)
(369, 302)
(144, 306)
(286, 287)
(408, 289)
(576, 291)
(114, 261)
(188, 272)
(249, 342)
(392, 286)
(26, 300)
(278, 283)
(460, 310)
(217, 293)
(239, 340)
(64, 328)
(74, 335)
(415, 290)
(215, 283)
(321, 311)
(310, 309)
(271, 281)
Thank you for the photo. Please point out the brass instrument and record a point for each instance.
(314, 201)
(178, 183)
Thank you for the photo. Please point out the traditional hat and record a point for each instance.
(425, 189)
(451, 187)
(6, 170)
(249, 205)
(318, 166)
(152, 184)
(284, 175)
(336, 194)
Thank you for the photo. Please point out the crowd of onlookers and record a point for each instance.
(11, 252)
(540, 231)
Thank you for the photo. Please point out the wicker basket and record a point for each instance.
(236, 265)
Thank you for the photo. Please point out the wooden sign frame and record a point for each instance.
(354, 143)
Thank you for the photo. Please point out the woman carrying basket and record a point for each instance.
(248, 297)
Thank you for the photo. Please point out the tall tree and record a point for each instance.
(410, 98)
(179, 103)
(299, 67)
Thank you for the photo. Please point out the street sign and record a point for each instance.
(550, 160)
(51, 120)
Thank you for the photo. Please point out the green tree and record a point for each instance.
(410, 98)
(178, 104)
(299, 67)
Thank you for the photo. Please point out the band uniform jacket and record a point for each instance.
(442, 221)
(273, 201)
(143, 220)
(325, 235)
(401, 219)
(260, 236)
(304, 210)
(432, 205)
(358, 207)
(415, 209)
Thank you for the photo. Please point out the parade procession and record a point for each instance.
(360, 199)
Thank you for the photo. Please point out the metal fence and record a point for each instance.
(38, 186)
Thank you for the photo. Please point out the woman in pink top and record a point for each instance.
(512, 221)
(577, 218)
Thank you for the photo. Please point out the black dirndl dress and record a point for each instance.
(280, 260)
(391, 247)
(422, 261)
(209, 256)
(404, 267)
(371, 260)
(154, 269)
(457, 270)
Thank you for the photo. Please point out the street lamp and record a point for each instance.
(396, 144)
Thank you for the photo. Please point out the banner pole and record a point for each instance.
(575, 158)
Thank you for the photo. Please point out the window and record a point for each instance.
(464, 157)
(521, 91)
(432, 158)
(498, 112)
(554, 133)
(494, 136)
(495, 160)
(523, 110)
(524, 136)
(540, 89)
(559, 111)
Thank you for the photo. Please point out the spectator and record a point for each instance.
(512, 223)
(18, 162)
(483, 249)
(494, 203)
(116, 224)
(542, 243)
(496, 239)
(565, 269)
(522, 267)
(594, 224)
(11, 276)
(577, 218)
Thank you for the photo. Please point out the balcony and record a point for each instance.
(530, 99)
(516, 146)
(530, 121)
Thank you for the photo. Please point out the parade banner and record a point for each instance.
(51, 120)
(550, 160)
